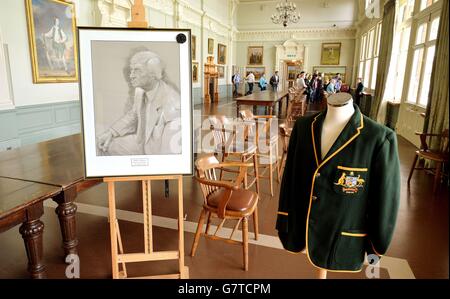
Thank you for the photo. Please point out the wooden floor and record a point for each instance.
(419, 248)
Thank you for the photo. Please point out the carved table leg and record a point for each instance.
(66, 212)
(32, 230)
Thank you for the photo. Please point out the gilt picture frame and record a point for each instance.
(52, 41)
(194, 47)
(136, 96)
(331, 54)
(221, 54)
(210, 46)
(255, 55)
(194, 72)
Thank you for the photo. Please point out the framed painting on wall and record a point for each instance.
(257, 71)
(135, 88)
(195, 72)
(221, 71)
(210, 46)
(331, 71)
(331, 54)
(255, 55)
(194, 47)
(221, 54)
(52, 40)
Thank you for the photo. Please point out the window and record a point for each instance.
(368, 60)
(423, 57)
(426, 3)
(401, 62)
(409, 8)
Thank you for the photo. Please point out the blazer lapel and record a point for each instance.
(316, 133)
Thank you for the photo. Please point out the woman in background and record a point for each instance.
(263, 83)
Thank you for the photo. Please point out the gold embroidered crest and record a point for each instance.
(350, 183)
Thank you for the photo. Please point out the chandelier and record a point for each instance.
(286, 13)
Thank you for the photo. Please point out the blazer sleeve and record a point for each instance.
(384, 196)
(286, 185)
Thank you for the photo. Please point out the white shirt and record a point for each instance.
(301, 83)
(251, 78)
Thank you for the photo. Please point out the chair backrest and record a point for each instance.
(285, 135)
(260, 126)
(205, 169)
(297, 108)
(218, 124)
(444, 148)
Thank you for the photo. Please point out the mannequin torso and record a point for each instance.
(336, 119)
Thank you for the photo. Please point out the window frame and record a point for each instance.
(426, 45)
(370, 43)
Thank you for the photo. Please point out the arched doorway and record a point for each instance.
(290, 61)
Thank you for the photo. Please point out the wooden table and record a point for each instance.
(266, 98)
(22, 202)
(58, 163)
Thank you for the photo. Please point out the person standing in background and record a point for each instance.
(359, 91)
(300, 82)
(262, 83)
(331, 87)
(274, 81)
(236, 81)
(251, 81)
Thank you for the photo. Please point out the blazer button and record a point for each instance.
(314, 198)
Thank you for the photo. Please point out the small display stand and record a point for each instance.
(117, 253)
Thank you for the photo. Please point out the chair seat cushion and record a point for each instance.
(241, 200)
(432, 156)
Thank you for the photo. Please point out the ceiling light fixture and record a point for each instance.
(286, 13)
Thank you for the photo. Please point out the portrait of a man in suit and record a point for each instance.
(152, 124)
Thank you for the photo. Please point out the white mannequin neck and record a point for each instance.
(335, 121)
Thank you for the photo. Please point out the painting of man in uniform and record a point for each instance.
(51, 30)
(137, 102)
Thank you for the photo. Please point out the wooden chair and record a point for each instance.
(297, 108)
(225, 200)
(226, 143)
(258, 128)
(439, 156)
(285, 133)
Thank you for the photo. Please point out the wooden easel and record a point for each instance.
(117, 253)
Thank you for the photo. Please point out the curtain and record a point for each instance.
(436, 119)
(384, 59)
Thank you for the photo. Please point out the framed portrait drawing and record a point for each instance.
(221, 54)
(194, 72)
(52, 41)
(221, 71)
(135, 87)
(257, 71)
(210, 46)
(255, 55)
(331, 53)
(194, 47)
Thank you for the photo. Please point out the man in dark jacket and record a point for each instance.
(274, 81)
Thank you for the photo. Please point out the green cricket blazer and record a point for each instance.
(345, 205)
